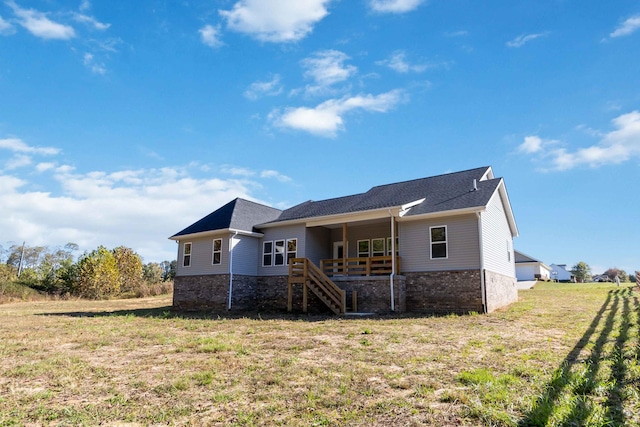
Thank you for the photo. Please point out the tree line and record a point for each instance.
(98, 274)
(582, 272)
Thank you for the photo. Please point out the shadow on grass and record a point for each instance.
(576, 388)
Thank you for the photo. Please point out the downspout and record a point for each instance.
(393, 260)
(231, 269)
(482, 283)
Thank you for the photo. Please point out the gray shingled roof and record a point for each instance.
(239, 214)
(441, 193)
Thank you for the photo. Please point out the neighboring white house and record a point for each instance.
(529, 268)
(560, 273)
(436, 244)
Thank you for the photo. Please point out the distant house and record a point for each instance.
(561, 274)
(529, 268)
(437, 244)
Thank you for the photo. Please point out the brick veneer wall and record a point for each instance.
(501, 290)
(211, 292)
(374, 293)
(444, 291)
(425, 292)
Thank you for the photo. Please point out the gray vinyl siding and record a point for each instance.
(360, 232)
(318, 244)
(462, 244)
(496, 235)
(201, 257)
(246, 255)
(281, 233)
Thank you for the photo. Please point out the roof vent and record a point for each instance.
(475, 185)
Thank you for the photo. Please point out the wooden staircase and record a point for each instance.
(303, 271)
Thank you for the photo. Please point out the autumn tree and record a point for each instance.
(153, 273)
(130, 270)
(97, 274)
(613, 272)
(581, 271)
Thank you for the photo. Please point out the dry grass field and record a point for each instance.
(563, 355)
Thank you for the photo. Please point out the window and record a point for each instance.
(438, 237)
(267, 253)
(279, 254)
(292, 249)
(363, 248)
(377, 247)
(186, 255)
(217, 252)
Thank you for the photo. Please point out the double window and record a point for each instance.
(279, 252)
(438, 237)
(186, 255)
(374, 247)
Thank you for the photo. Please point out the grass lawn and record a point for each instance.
(563, 355)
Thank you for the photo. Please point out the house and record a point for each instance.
(439, 244)
(560, 273)
(529, 268)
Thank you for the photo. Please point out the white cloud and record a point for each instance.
(397, 62)
(614, 147)
(45, 166)
(626, 28)
(210, 36)
(275, 20)
(85, 19)
(269, 173)
(96, 67)
(327, 67)
(85, 5)
(326, 119)
(39, 25)
(525, 38)
(394, 6)
(18, 146)
(17, 161)
(6, 29)
(137, 208)
(268, 88)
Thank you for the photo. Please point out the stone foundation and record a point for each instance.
(425, 292)
(211, 292)
(444, 291)
(374, 293)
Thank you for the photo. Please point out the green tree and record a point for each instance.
(97, 275)
(153, 273)
(581, 271)
(130, 271)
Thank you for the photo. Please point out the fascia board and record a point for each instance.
(453, 212)
(222, 232)
(338, 218)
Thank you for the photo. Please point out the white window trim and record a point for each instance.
(270, 253)
(383, 252)
(214, 252)
(287, 251)
(190, 254)
(445, 242)
(368, 244)
(276, 253)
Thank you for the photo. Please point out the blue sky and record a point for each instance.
(123, 122)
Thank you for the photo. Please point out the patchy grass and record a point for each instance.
(563, 355)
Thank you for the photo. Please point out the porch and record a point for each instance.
(361, 266)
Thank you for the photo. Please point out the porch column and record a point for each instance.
(344, 248)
